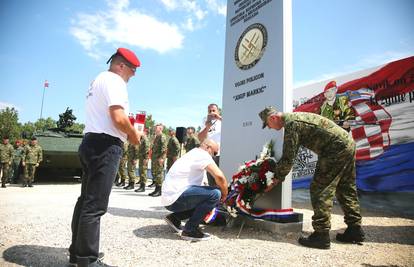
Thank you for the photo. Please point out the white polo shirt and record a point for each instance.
(214, 133)
(108, 89)
(186, 171)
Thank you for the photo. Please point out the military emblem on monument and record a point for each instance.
(251, 46)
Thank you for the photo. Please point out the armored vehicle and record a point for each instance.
(60, 153)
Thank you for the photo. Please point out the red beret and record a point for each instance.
(128, 55)
(330, 85)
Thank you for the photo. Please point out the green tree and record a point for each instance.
(44, 124)
(27, 130)
(9, 125)
(76, 127)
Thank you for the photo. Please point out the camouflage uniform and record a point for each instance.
(335, 170)
(6, 157)
(17, 160)
(159, 149)
(32, 156)
(339, 111)
(132, 160)
(143, 156)
(191, 143)
(122, 173)
(173, 151)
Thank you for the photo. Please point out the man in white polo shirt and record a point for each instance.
(212, 130)
(107, 127)
(183, 194)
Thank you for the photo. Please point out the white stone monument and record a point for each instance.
(257, 73)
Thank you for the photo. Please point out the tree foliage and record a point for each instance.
(9, 125)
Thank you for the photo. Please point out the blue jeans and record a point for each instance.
(99, 155)
(194, 203)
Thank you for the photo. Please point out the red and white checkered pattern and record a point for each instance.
(372, 136)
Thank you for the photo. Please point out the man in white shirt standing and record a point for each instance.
(107, 127)
(212, 130)
(183, 194)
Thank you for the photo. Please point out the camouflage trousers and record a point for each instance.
(143, 169)
(132, 167)
(122, 173)
(5, 171)
(157, 171)
(29, 172)
(335, 176)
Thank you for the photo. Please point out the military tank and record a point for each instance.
(60, 149)
(60, 153)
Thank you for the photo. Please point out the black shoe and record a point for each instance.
(121, 183)
(195, 235)
(157, 191)
(353, 234)
(319, 240)
(152, 185)
(173, 222)
(73, 259)
(129, 186)
(30, 185)
(141, 188)
(3, 185)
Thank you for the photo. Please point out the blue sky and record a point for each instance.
(181, 47)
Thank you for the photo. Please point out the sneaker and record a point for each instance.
(73, 259)
(174, 223)
(195, 235)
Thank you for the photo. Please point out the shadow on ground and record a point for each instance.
(137, 213)
(36, 256)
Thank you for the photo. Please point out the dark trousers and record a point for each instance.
(100, 155)
(210, 178)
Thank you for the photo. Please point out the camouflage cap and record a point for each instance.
(265, 113)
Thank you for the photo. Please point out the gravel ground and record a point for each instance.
(35, 231)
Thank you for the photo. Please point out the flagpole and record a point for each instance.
(46, 84)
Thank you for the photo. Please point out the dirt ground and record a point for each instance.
(35, 231)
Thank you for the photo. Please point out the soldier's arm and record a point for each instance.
(290, 149)
(40, 158)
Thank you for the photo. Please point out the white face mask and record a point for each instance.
(330, 94)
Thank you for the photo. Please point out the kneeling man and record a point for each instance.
(183, 194)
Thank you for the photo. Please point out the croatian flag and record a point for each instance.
(383, 129)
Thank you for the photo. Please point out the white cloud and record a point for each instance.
(4, 105)
(119, 25)
(219, 7)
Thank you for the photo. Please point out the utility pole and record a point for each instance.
(46, 85)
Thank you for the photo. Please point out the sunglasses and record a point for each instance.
(132, 68)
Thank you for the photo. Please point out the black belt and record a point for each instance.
(102, 137)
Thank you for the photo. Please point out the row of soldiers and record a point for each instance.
(12, 160)
(161, 149)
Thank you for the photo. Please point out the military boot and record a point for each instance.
(121, 183)
(141, 188)
(129, 186)
(316, 240)
(157, 191)
(3, 185)
(353, 234)
(30, 184)
(152, 185)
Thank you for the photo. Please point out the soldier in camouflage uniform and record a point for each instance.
(334, 174)
(132, 165)
(32, 156)
(6, 157)
(173, 149)
(143, 157)
(159, 151)
(17, 161)
(337, 108)
(122, 173)
(192, 140)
